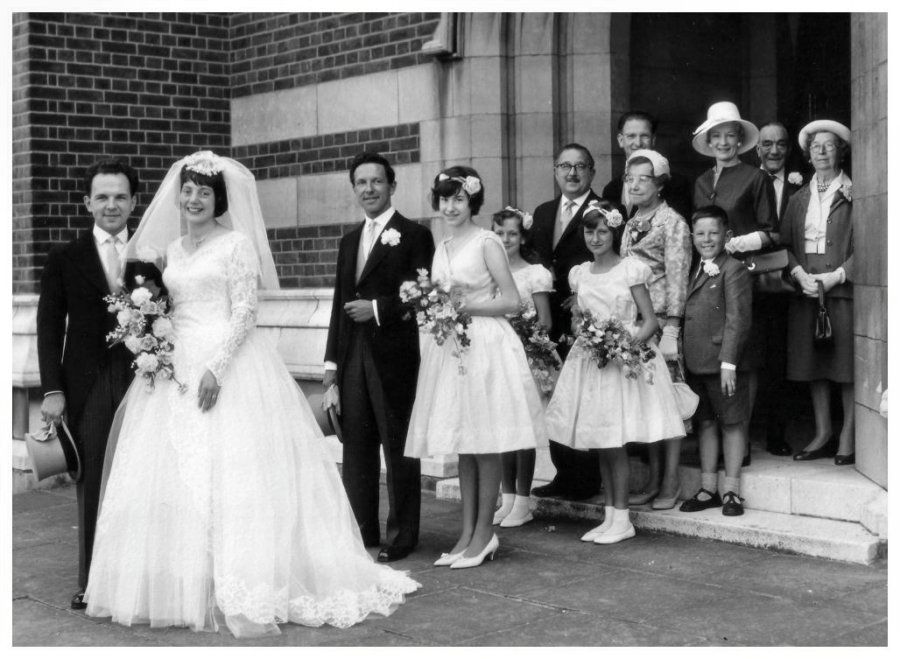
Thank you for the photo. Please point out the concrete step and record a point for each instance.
(782, 485)
(800, 534)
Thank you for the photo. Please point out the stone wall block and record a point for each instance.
(430, 141)
(871, 430)
(326, 199)
(534, 135)
(590, 33)
(411, 196)
(534, 33)
(487, 93)
(482, 34)
(456, 138)
(870, 371)
(535, 181)
(492, 173)
(278, 200)
(593, 74)
(870, 312)
(361, 102)
(416, 100)
(534, 83)
(274, 116)
(487, 135)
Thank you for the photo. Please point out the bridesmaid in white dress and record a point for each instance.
(493, 406)
(221, 504)
(534, 283)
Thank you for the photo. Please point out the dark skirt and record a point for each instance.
(804, 362)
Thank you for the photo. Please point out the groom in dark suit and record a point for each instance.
(81, 378)
(558, 239)
(372, 357)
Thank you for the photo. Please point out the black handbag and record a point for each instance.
(823, 338)
(770, 272)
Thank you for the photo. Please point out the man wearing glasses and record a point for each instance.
(558, 239)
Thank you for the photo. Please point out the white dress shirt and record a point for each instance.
(100, 238)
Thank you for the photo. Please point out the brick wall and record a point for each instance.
(148, 88)
(329, 153)
(281, 51)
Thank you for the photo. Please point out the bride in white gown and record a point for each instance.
(222, 504)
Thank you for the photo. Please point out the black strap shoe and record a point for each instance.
(778, 447)
(732, 505)
(695, 504)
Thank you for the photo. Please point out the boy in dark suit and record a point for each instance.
(716, 328)
(81, 378)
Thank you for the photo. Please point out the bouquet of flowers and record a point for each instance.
(145, 328)
(539, 349)
(608, 341)
(436, 313)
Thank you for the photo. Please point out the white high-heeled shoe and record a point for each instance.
(474, 561)
(597, 530)
(449, 559)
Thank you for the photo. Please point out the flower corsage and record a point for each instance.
(390, 237)
(710, 268)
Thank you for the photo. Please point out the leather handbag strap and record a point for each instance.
(821, 287)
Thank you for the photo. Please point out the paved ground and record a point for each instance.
(545, 588)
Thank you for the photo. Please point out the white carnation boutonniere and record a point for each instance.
(794, 178)
(847, 191)
(710, 268)
(390, 237)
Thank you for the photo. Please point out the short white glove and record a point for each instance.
(332, 398)
(749, 242)
(668, 344)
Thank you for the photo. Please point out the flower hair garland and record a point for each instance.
(527, 219)
(613, 218)
(471, 184)
(206, 163)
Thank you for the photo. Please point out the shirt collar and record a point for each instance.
(579, 201)
(102, 235)
(382, 219)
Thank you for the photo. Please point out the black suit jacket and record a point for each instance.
(395, 342)
(678, 193)
(569, 252)
(71, 354)
(786, 193)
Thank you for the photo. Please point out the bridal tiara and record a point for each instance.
(204, 162)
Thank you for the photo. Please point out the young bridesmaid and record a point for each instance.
(534, 283)
(490, 405)
(601, 408)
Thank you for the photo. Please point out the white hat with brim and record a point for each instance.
(820, 125)
(720, 113)
(659, 161)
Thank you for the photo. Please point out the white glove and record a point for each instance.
(668, 344)
(749, 242)
(332, 398)
(829, 279)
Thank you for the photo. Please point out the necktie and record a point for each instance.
(369, 236)
(699, 270)
(564, 218)
(113, 265)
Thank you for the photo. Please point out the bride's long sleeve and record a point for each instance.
(242, 287)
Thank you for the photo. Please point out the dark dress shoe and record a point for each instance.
(695, 504)
(843, 460)
(827, 450)
(551, 489)
(388, 554)
(78, 602)
(778, 447)
(732, 505)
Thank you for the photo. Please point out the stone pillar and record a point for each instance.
(868, 84)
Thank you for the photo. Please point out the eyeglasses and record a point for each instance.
(768, 144)
(642, 179)
(579, 167)
(824, 147)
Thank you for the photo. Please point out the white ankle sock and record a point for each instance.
(505, 508)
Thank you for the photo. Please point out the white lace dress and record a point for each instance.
(234, 515)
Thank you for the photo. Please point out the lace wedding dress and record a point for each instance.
(236, 515)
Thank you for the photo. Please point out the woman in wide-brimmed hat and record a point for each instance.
(746, 194)
(817, 228)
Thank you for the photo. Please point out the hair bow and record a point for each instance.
(527, 219)
(471, 184)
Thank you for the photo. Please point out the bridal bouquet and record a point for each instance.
(539, 349)
(608, 341)
(145, 328)
(436, 313)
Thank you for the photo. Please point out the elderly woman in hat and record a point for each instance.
(818, 230)
(746, 194)
(660, 237)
